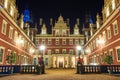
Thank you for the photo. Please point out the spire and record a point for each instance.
(26, 15)
(60, 19)
(21, 21)
(99, 21)
(68, 22)
(41, 21)
(90, 20)
(51, 21)
(78, 21)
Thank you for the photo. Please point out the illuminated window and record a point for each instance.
(1, 54)
(118, 53)
(57, 51)
(107, 12)
(104, 35)
(71, 42)
(113, 4)
(76, 42)
(10, 32)
(16, 36)
(64, 51)
(109, 32)
(49, 41)
(11, 11)
(64, 42)
(115, 28)
(4, 27)
(57, 41)
(57, 32)
(71, 51)
(6, 4)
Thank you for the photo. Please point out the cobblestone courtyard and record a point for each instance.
(60, 74)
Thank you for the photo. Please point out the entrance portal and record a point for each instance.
(60, 64)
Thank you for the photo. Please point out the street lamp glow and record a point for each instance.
(42, 47)
(88, 50)
(31, 50)
(100, 41)
(78, 47)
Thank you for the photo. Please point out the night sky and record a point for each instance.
(72, 9)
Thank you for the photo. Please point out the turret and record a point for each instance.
(76, 29)
(60, 19)
(51, 22)
(68, 22)
(91, 25)
(86, 33)
(41, 21)
(21, 21)
(99, 21)
(44, 29)
(91, 29)
(78, 21)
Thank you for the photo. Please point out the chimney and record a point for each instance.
(41, 21)
(78, 21)
(99, 21)
(68, 22)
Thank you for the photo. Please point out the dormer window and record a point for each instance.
(107, 12)
(43, 31)
(57, 32)
(6, 4)
(11, 11)
(76, 29)
(64, 32)
(113, 4)
(76, 32)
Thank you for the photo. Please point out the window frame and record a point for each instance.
(4, 27)
(109, 34)
(10, 32)
(57, 42)
(64, 42)
(2, 54)
(117, 54)
(114, 25)
(70, 41)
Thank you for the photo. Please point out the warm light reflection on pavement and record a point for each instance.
(61, 74)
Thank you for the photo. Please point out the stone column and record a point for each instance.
(56, 61)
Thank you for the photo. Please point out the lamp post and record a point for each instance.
(79, 64)
(41, 61)
(78, 48)
(101, 42)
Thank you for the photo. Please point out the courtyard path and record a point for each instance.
(60, 74)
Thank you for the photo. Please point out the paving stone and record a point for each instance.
(60, 74)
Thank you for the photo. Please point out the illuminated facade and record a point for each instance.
(60, 46)
(13, 38)
(105, 39)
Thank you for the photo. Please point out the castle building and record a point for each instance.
(60, 46)
(14, 42)
(105, 39)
